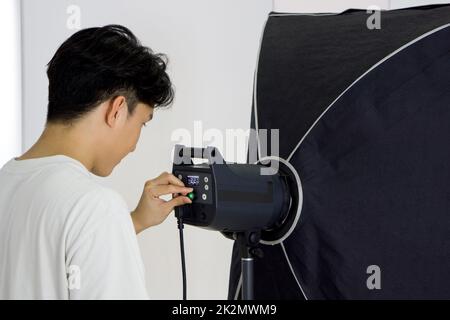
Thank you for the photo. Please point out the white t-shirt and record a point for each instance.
(64, 236)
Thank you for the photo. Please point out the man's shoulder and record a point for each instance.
(93, 209)
(100, 196)
(72, 186)
(83, 200)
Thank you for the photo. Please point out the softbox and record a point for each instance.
(363, 112)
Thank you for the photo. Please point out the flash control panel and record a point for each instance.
(200, 182)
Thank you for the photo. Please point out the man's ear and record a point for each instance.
(116, 111)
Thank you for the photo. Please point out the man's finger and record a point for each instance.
(175, 202)
(167, 178)
(160, 190)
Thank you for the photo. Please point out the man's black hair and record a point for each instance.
(97, 64)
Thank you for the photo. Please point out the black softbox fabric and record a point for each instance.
(364, 117)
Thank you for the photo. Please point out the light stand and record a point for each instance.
(248, 242)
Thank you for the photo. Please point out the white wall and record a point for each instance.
(10, 81)
(212, 46)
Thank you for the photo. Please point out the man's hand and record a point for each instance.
(151, 210)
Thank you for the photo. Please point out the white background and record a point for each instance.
(10, 80)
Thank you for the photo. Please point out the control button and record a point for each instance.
(204, 196)
(191, 195)
(180, 176)
(205, 179)
(206, 187)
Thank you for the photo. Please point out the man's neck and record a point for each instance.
(59, 140)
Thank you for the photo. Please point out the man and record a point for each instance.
(62, 235)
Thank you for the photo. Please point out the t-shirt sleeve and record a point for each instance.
(103, 259)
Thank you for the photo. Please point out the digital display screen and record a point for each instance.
(193, 180)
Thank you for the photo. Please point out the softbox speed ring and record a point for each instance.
(285, 227)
